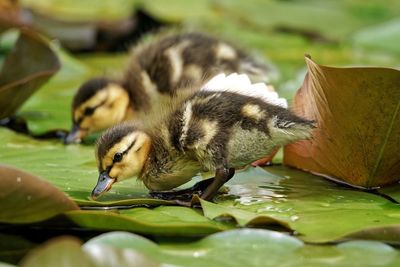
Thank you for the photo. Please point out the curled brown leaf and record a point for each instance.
(28, 66)
(358, 125)
(24, 198)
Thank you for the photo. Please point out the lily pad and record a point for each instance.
(66, 251)
(357, 111)
(308, 204)
(30, 64)
(73, 170)
(383, 37)
(258, 197)
(245, 247)
(78, 10)
(161, 221)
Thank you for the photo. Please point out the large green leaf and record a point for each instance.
(64, 252)
(82, 11)
(73, 170)
(318, 210)
(301, 16)
(245, 247)
(383, 37)
(276, 195)
(162, 221)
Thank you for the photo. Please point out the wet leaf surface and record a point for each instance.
(357, 111)
(308, 204)
(73, 170)
(160, 221)
(261, 247)
(28, 66)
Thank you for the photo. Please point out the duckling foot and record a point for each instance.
(184, 195)
(222, 175)
(206, 189)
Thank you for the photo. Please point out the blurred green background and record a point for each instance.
(333, 32)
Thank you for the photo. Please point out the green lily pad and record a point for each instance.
(276, 195)
(79, 10)
(66, 251)
(301, 16)
(309, 204)
(161, 221)
(73, 170)
(244, 247)
(383, 37)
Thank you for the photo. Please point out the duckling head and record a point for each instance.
(98, 104)
(121, 153)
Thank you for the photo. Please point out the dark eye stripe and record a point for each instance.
(123, 153)
(89, 111)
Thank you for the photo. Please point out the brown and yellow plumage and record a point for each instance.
(227, 124)
(156, 69)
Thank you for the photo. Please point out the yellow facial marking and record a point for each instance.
(112, 104)
(133, 158)
(253, 111)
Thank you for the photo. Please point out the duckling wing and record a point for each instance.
(241, 84)
(231, 122)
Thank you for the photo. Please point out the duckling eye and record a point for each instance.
(89, 111)
(117, 157)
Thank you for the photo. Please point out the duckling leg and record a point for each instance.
(222, 175)
(183, 194)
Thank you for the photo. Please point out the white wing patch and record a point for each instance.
(241, 84)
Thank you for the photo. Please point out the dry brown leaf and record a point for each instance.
(358, 125)
(29, 65)
(24, 198)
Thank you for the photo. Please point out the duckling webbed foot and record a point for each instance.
(222, 175)
(206, 189)
(184, 194)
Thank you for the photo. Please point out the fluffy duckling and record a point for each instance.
(227, 124)
(156, 69)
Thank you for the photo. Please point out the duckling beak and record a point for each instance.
(74, 135)
(103, 185)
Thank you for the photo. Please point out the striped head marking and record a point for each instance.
(121, 153)
(98, 104)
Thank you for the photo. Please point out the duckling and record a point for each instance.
(155, 71)
(226, 125)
